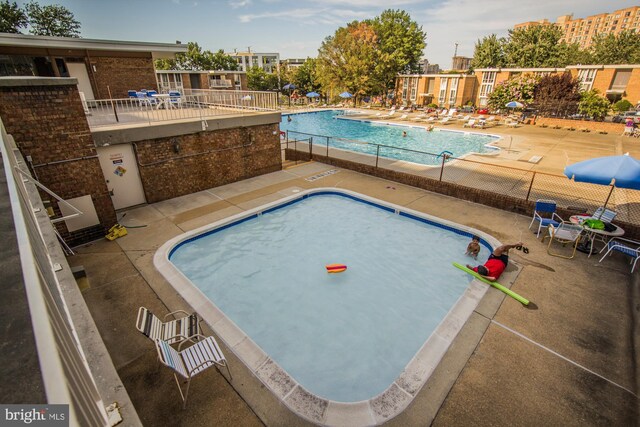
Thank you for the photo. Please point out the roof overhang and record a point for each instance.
(158, 50)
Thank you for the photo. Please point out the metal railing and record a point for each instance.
(519, 183)
(193, 104)
(65, 373)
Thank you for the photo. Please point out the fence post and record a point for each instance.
(377, 154)
(530, 185)
(310, 148)
(327, 147)
(444, 157)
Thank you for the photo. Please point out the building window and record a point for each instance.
(414, 89)
(586, 76)
(405, 88)
(620, 81)
(453, 91)
(443, 91)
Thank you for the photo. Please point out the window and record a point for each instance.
(405, 88)
(486, 87)
(586, 76)
(443, 91)
(414, 89)
(620, 80)
(453, 91)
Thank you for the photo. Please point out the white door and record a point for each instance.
(121, 174)
(79, 71)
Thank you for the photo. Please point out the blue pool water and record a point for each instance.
(347, 336)
(362, 136)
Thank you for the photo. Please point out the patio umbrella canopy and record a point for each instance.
(617, 171)
(514, 104)
(313, 95)
(289, 86)
(345, 95)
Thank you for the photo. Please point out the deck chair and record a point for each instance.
(172, 331)
(175, 99)
(445, 120)
(469, 124)
(565, 232)
(545, 213)
(604, 214)
(191, 361)
(625, 246)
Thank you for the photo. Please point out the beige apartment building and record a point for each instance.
(582, 30)
(454, 90)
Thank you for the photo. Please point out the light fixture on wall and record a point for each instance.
(176, 146)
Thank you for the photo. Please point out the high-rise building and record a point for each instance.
(461, 63)
(582, 30)
(269, 62)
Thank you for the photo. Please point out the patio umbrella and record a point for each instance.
(345, 95)
(313, 95)
(514, 104)
(289, 87)
(616, 171)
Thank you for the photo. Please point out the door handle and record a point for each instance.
(111, 192)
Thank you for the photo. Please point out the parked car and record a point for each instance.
(621, 118)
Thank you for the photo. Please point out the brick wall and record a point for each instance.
(121, 74)
(48, 124)
(206, 159)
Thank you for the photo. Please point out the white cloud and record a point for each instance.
(318, 16)
(239, 3)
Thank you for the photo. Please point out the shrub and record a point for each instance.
(622, 106)
(594, 105)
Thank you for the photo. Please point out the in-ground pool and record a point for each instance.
(364, 136)
(382, 324)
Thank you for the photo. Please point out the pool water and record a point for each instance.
(363, 136)
(344, 337)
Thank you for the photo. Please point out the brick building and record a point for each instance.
(445, 90)
(181, 80)
(582, 30)
(104, 68)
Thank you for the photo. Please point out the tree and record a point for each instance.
(347, 60)
(623, 48)
(12, 18)
(519, 89)
(258, 79)
(223, 61)
(305, 77)
(52, 20)
(557, 95)
(534, 47)
(622, 106)
(594, 105)
(401, 42)
(571, 54)
(489, 52)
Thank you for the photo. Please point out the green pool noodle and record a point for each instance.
(496, 285)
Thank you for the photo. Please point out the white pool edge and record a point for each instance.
(381, 408)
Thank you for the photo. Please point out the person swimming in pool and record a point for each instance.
(497, 262)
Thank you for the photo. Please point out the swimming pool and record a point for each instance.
(364, 136)
(348, 337)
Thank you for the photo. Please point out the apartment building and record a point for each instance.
(182, 79)
(269, 62)
(445, 90)
(582, 30)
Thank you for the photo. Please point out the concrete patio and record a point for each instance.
(570, 359)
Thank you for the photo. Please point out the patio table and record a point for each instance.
(592, 234)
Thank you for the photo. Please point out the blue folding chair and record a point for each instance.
(625, 246)
(545, 214)
(132, 94)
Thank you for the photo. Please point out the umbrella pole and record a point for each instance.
(608, 197)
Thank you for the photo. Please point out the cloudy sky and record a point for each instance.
(295, 29)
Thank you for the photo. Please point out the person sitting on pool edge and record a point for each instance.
(497, 262)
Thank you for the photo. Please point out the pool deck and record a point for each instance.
(570, 359)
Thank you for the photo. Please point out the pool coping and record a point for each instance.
(376, 410)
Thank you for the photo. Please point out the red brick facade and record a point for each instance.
(206, 159)
(121, 74)
(48, 124)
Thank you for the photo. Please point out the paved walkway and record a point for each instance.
(568, 361)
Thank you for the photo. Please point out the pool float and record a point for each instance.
(496, 285)
(335, 268)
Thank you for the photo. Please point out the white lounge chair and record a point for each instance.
(403, 117)
(469, 124)
(172, 331)
(191, 361)
(445, 120)
(386, 116)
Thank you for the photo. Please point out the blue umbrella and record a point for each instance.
(616, 171)
(289, 86)
(313, 95)
(345, 95)
(514, 104)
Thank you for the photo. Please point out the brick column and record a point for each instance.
(47, 120)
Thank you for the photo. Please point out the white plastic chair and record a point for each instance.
(191, 361)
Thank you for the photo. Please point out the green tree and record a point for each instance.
(223, 61)
(12, 17)
(258, 79)
(520, 89)
(571, 54)
(623, 48)
(401, 42)
(594, 105)
(622, 106)
(305, 77)
(52, 20)
(534, 47)
(489, 52)
(347, 60)
(557, 95)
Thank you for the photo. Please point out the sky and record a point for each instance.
(295, 29)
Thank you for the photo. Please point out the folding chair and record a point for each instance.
(564, 233)
(545, 213)
(172, 331)
(191, 361)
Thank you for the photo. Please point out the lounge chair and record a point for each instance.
(172, 331)
(469, 124)
(625, 246)
(403, 117)
(419, 117)
(445, 120)
(545, 213)
(191, 361)
(565, 232)
(604, 215)
(175, 99)
(386, 116)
